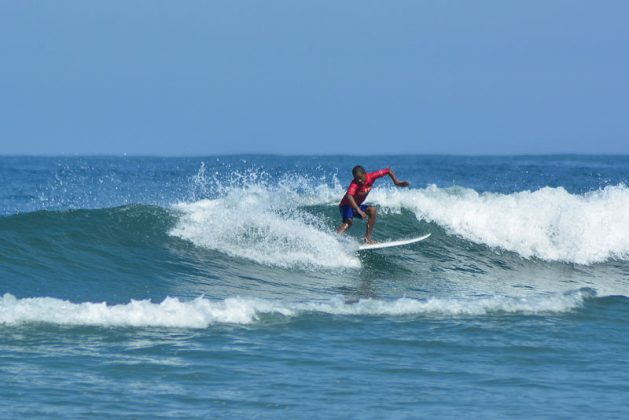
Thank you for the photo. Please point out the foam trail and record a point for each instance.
(550, 223)
(203, 312)
(264, 226)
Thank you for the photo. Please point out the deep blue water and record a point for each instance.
(216, 286)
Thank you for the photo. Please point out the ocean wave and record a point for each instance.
(202, 312)
(550, 223)
(291, 224)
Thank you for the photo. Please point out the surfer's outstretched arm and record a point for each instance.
(396, 181)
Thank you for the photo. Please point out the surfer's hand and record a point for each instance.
(362, 214)
(403, 184)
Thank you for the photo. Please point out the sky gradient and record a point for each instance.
(306, 77)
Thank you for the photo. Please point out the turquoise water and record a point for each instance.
(216, 286)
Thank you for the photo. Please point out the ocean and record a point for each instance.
(215, 287)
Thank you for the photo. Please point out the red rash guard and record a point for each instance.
(360, 191)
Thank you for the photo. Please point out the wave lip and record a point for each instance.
(550, 223)
(202, 312)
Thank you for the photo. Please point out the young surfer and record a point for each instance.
(352, 203)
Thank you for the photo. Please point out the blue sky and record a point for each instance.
(325, 77)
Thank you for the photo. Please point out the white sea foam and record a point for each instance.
(203, 312)
(172, 312)
(259, 222)
(550, 223)
(265, 226)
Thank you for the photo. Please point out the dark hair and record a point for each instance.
(358, 170)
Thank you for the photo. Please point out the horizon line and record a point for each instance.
(288, 155)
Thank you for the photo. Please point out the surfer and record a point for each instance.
(352, 203)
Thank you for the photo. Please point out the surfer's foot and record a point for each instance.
(369, 241)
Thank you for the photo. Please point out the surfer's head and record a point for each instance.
(360, 175)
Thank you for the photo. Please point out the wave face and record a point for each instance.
(274, 228)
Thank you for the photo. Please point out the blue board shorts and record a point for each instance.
(348, 213)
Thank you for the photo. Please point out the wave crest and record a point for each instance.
(550, 224)
(202, 312)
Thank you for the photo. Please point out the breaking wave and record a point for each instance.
(202, 312)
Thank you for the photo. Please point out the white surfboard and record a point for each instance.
(379, 245)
